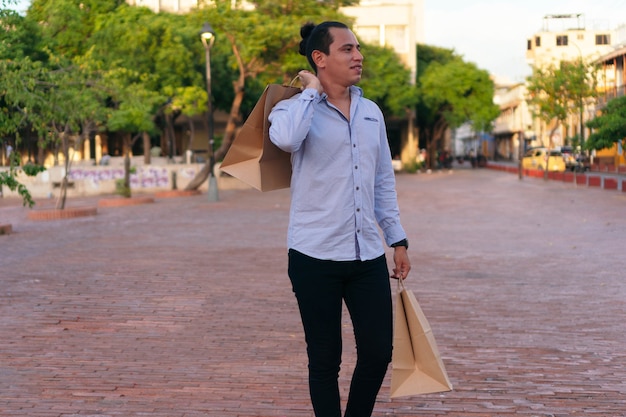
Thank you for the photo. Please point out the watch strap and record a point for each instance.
(403, 242)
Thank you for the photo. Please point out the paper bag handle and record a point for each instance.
(400, 284)
(293, 81)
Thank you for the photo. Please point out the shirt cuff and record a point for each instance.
(310, 94)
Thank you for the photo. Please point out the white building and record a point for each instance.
(512, 129)
(565, 37)
(170, 6)
(398, 24)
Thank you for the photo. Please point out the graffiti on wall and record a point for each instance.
(143, 177)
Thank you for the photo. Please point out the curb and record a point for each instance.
(58, 214)
(177, 193)
(123, 201)
(585, 179)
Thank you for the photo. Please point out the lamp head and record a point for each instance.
(207, 34)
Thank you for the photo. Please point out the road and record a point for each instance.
(182, 308)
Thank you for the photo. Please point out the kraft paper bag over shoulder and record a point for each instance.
(252, 157)
(417, 367)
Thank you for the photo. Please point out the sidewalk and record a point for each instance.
(182, 308)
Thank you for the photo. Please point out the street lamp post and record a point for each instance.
(580, 102)
(207, 35)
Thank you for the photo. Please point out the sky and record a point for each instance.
(493, 33)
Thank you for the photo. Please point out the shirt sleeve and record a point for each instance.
(386, 200)
(290, 120)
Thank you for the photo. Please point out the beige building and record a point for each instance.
(613, 69)
(562, 37)
(513, 128)
(174, 6)
(565, 37)
(399, 25)
(170, 6)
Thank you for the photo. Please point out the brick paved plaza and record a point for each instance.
(182, 308)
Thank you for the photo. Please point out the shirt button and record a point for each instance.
(356, 167)
(358, 188)
(358, 209)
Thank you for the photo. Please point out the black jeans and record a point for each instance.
(320, 286)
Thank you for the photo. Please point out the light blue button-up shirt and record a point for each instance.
(343, 183)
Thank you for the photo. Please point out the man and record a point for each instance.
(343, 190)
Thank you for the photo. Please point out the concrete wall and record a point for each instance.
(100, 180)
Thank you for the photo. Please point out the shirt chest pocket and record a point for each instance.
(366, 135)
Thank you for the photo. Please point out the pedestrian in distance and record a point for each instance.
(342, 194)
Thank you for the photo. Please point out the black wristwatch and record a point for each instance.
(403, 242)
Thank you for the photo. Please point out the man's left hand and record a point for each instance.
(402, 263)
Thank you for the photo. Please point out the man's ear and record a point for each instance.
(319, 58)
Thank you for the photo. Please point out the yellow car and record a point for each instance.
(537, 158)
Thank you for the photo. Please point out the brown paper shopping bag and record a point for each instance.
(252, 157)
(417, 367)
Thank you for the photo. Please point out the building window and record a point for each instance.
(537, 40)
(603, 39)
(561, 40)
(395, 37)
(369, 34)
(529, 45)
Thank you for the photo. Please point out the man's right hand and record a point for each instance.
(310, 80)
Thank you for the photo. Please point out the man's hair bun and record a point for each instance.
(305, 32)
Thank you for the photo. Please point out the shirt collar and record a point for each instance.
(356, 92)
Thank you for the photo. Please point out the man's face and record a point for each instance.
(344, 63)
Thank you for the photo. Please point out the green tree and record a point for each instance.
(69, 24)
(263, 49)
(548, 95)
(19, 38)
(72, 106)
(132, 113)
(18, 41)
(255, 47)
(16, 98)
(190, 101)
(556, 92)
(18, 103)
(582, 88)
(609, 127)
(263, 45)
(162, 49)
(7, 3)
(387, 81)
(60, 102)
(9, 177)
(452, 92)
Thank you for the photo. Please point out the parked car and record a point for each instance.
(574, 161)
(537, 158)
(581, 164)
(568, 157)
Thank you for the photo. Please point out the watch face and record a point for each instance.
(403, 242)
